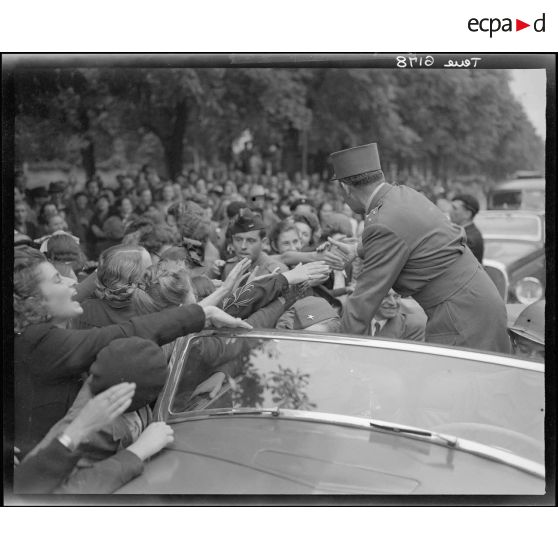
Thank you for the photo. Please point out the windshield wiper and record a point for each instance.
(243, 412)
(450, 441)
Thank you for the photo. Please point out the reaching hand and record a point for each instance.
(217, 267)
(100, 411)
(347, 248)
(215, 317)
(212, 385)
(236, 275)
(307, 272)
(152, 440)
(333, 260)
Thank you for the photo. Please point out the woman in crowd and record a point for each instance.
(49, 359)
(168, 198)
(324, 209)
(48, 468)
(79, 217)
(120, 272)
(125, 210)
(156, 239)
(137, 362)
(22, 224)
(309, 230)
(47, 211)
(93, 189)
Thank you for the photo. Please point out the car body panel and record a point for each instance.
(253, 455)
(514, 248)
(489, 409)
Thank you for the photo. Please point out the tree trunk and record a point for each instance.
(291, 152)
(88, 159)
(87, 152)
(174, 144)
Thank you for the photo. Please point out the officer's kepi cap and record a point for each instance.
(356, 160)
(246, 221)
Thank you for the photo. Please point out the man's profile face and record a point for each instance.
(350, 199)
(459, 214)
(247, 244)
(389, 307)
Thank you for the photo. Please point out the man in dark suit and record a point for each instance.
(392, 323)
(463, 210)
(409, 245)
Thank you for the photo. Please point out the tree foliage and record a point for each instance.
(445, 122)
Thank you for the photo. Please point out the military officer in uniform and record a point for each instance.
(248, 233)
(409, 245)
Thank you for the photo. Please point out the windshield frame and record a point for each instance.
(164, 403)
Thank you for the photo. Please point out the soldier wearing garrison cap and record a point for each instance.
(409, 245)
(247, 231)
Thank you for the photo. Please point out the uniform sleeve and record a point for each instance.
(67, 352)
(103, 477)
(415, 327)
(259, 293)
(385, 255)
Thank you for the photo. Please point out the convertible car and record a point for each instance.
(514, 253)
(302, 413)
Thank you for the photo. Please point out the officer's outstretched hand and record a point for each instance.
(347, 248)
(312, 271)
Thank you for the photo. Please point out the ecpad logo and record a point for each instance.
(493, 25)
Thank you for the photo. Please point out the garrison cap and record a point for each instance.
(356, 160)
(246, 221)
(39, 192)
(57, 187)
(312, 310)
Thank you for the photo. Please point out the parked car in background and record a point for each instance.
(525, 191)
(311, 413)
(514, 253)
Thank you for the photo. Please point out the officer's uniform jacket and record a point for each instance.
(410, 245)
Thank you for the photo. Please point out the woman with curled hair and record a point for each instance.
(50, 360)
(119, 276)
(63, 247)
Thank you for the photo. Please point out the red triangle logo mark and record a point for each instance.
(519, 25)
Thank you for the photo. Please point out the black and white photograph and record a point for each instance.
(280, 277)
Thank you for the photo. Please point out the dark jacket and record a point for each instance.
(409, 327)
(106, 443)
(410, 245)
(475, 241)
(260, 303)
(100, 313)
(46, 472)
(49, 363)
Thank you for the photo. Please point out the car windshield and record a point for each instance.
(509, 225)
(441, 392)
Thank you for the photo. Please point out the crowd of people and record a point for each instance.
(105, 274)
